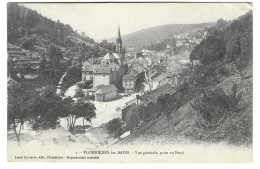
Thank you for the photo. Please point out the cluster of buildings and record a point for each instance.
(137, 67)
(110, 75)
(107, 75)
(191, 38)
(161, 76)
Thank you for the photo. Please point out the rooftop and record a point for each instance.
(160, 77)
(128, 77)
(114, 65)
(11, 81)
(154, 94)
(160, 68)
(102, 70)
(106, 89)
(86, 66)
(31, 76)
(117, 55)
(109, 56)
(156, 75)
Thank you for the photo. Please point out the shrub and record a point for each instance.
(27, 43)
(145, 115)
(210, 50)
(86, 84)
(168, 104)
(89, 97)
(204, 74)
(79, 93)
(80, 85)
(215, 107)
(115, 127)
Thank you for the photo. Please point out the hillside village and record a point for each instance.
(127, 94)
(131, 77)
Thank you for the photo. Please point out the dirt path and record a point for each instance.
(71, 91)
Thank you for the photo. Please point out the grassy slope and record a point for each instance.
(183, 129)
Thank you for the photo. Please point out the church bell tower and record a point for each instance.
(119, 42)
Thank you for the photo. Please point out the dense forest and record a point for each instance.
(61, 48)
(27, 28)
(228, 41)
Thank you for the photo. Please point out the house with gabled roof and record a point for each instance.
(11, 81)
(129, 82)
(87, 71)
(102, 76)
(106, 92)
(110, 58)
(109, 71)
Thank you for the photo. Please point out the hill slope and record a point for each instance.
(217, 99)
(27, 28)
(182, 128)
(148, 35)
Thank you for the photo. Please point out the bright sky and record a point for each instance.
(101, 20)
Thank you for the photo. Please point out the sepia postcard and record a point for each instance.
(130, 82)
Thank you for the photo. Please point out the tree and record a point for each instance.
(153, 111)
(110, 46)
(76, 109)
(47, 110)
(139, 81)
(27, 43)
(56, 68)
(79, 92)
(85, 110)
(54, 54)
(221, 24)
(76, 64)
(165, 105)
(68, 112)
(215, 107)
(168, 104)
(233, 47)
(210, 50)
(21, 103)
(10, 67)
(43, 63)
(115, 127)
(30, 19)
(144, 113)
(133, 121)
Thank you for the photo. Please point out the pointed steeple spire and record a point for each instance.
(119, 40)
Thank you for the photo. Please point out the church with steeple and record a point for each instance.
(117, 56)
(111, 69)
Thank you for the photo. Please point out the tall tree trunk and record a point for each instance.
(84, 126)
(74, 121)
(67, 123)
(17, 135)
